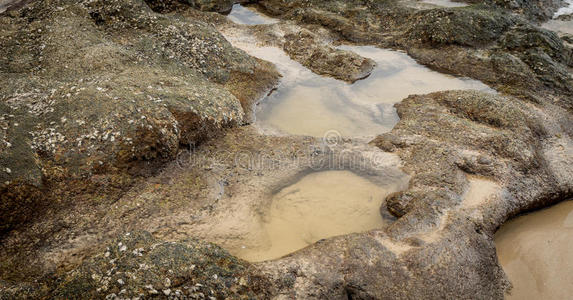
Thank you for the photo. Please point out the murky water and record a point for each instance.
(536, 252)
(249, 16)
(318, 206)
(309, 104)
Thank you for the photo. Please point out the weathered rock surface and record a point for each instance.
(445, 140)
(479, 41)
(139, 266)
(178, 72)
(340, 64)
(98, 88)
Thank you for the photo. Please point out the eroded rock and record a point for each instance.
(340, 64)
(97, 88)
(137, 265)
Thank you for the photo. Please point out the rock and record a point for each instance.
(464, 27)
(132, 86)
(70, 70)
(163, 6)
(131, 276)
(439, 237)
(536, 10)
(324, 60)
(220, 6)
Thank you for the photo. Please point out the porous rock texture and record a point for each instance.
(440, 243)
(102, 87)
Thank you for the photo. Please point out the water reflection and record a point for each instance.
(309, 104)
(445, 3)
(249, 16)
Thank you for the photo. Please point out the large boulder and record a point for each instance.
(463, 27)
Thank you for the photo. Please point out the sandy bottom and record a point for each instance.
(536, 252)
(249, 16)
(309, 104)
(318, 206)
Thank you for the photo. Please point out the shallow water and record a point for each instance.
(318, 206)
(535, 251)
(249, 16)
(309, 104)
(445, 3)
(559, 26)
(566, 10)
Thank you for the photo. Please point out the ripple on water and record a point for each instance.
(535, 252)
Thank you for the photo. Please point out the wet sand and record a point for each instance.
(536, 252)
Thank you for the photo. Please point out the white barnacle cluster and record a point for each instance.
(4, 126)
(197, 51)
(47, 140)
(35, 103)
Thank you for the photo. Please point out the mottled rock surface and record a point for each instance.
(100, 87)
(136, 265)
(99, 93)
(340, 64)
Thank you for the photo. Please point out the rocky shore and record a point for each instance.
(124, 124)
